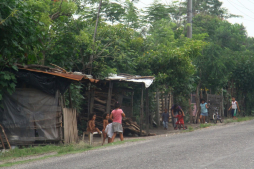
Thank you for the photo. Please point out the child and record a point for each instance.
(234, 106)
(180, 120)
(116, 116)
(105, 123)
(203, 110)
(109, 131)
(165, 117)
(91, 124)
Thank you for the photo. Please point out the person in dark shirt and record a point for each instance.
(165, 118)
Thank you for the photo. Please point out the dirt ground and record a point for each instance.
(155, 130)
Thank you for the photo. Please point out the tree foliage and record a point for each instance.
(149, 42)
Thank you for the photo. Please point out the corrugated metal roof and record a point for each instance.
(70, 76)
(147, 80)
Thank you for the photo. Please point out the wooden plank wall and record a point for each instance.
(70, 126)
(165, 101)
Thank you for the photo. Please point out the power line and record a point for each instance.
(239, 9)
(245, 7)
(142, 2)
(251, 1)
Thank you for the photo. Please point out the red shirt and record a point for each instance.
(180, 118)
(117, 115)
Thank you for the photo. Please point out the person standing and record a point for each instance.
(165, 118)
(174, 112)
(234, 107)
(203, 110)
(116, 116)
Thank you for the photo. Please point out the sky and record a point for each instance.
(245, 8)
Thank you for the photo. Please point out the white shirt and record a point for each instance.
(234, 106)
(109, 130)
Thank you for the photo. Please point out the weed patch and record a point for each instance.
(205, 125)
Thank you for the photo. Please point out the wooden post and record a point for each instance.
(109, 97)
(141, 109)
(2, 141)
(166, 101)
(208, 117)
(147, 112)
(197, 103)
(71, 106)
(60, 104)
(222, 105)
(190, 109)
(91, 101)
(158, 107)
(132, 94)
(162, 101)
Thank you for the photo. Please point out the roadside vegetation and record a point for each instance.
(148, 42)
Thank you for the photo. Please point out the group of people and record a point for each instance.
(112, 124)
(178, 117)
(178, 114)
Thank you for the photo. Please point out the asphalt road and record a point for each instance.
(230, 146)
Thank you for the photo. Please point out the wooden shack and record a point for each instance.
(104, 94)
(36, 113)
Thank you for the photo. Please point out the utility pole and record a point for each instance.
(94, 38)
(189, 18)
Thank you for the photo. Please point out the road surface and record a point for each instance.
(230, 146)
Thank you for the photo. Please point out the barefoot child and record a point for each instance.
(234, 107)
(180, 120)
(91, 124)
(109, 131)
(105, 123)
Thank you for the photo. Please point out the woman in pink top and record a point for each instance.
(116, 116)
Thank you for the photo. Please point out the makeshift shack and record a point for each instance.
(103, 96)
(35, 113)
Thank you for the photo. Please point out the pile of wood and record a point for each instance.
(131, 127)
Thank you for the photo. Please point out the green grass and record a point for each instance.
(206, 125)
(190, 129)
(59, 149)
(239, 119)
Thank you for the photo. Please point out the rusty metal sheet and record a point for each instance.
(64, 75)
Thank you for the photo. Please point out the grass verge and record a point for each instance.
(59, 149)
(239, 119)
(205, 125)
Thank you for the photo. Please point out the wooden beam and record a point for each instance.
(109, 97)
(141, 109)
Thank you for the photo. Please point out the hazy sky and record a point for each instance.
(245, 8)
